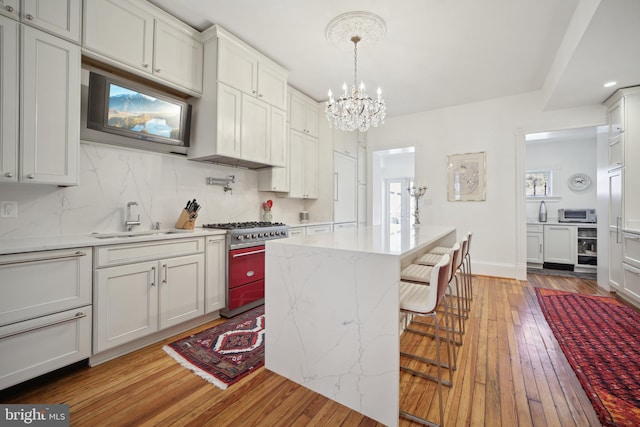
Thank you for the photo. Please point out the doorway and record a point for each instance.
(398, 203)
(391, 176)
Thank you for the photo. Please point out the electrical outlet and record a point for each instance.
(8, 209)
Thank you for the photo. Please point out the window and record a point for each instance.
(539, 184)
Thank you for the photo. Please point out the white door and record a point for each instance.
(278, 138)
(229, 118)
(345, 207)
(120, 31)
(616, 274)
(50, 125)
(9, 98)
(215, 274)
(181, 288)
(398, 203)
(126, 304)
(272, 85)
(61, 17)
(237, 66)
(560, 244)
(255, 130)
(177, 57)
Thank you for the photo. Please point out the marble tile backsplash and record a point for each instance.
(110, 177)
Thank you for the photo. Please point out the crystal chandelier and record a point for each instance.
(355, 109)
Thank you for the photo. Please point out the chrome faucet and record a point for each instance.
(130, 223)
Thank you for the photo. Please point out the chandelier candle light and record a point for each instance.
(355, 110)
(417, 193)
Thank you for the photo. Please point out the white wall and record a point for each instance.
(111, 176)
(564, 158)
(496, 127)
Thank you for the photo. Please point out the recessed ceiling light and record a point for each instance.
(609, 84)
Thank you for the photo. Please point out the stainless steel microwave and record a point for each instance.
(577, 215)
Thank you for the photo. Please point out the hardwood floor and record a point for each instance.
(511, 372)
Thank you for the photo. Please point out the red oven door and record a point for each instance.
(246, 276)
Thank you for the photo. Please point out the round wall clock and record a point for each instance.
(579, 182)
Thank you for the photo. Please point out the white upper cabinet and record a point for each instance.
(121, 31)
(177, 56)
(240, 119)
(50, 110)
(303, 166)
(10, 8)
(345, 142)
(9, 98)
(62, 18)
(59, 17)
(248, 71)
(131, 34)
(303, 113)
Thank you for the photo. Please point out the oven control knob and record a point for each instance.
(248, 236)
(260, 234)
(254, 235)
(273, 233)
(276, 233)
(240, 237)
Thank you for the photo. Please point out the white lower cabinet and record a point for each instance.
(535, 244)
(560, 244)
(45, 312)
(215, 274)
(137, 299)
(296, 231)
(632, 282)
(318, 229)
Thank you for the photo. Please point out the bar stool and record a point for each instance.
(467, 258)
(434, 256)
(420, 300)
(419, 272)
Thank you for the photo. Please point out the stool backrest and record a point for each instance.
(456, 259)
(440, 276)
(469, 235)
(463, 251)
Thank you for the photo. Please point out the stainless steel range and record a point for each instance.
(245, 262)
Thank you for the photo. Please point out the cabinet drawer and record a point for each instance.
(39, 283)
(318, 229)
(631, 249)
(298, 231)
(136, 252)
(535, 228)
(41, 345)
(632, 281)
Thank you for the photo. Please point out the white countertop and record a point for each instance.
(374, 239)
(31, 244)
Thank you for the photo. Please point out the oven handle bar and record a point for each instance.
(248, 253)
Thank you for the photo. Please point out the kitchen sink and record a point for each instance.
(129, 234)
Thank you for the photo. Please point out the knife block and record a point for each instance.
(187, 220)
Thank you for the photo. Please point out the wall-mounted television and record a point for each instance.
(134, 111)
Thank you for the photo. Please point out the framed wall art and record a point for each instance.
(466, 177)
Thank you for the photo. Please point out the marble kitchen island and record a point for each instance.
(332, 309)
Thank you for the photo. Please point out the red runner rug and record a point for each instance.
(601, 339)
(225, 353)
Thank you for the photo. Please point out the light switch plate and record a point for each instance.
(8, 209)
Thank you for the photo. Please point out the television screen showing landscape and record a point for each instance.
(137, 112)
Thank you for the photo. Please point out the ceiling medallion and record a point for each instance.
(355, 110)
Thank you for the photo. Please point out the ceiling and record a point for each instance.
(439, 53)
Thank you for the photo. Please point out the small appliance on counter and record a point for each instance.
(577, 215)
(542, 213)
(304, 217)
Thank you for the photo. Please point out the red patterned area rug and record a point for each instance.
(226, 353)
(601, 339)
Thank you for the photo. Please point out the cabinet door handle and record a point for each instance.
(335, 189)
(31, 176)
(540, 247)
(8, 175)
(166, 272)
(248, 253)
(9, 9)
(29, 17)
(157, 70)
(559, 228)
(153, 281)
(145, 65)
(50, 258)
(618, 229)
